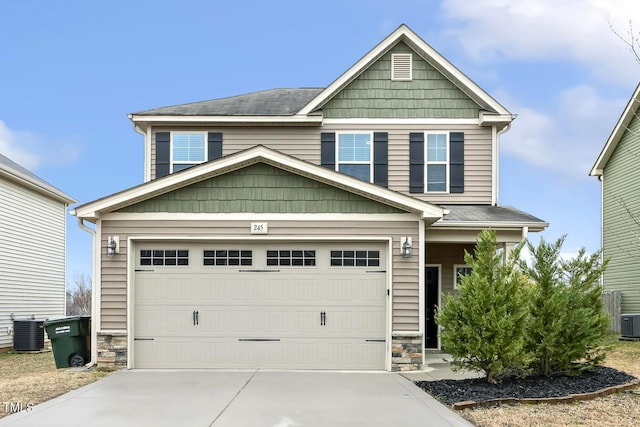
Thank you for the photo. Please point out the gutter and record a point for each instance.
(94, 294)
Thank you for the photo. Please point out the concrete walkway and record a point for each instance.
(242, 398)
(437, 368)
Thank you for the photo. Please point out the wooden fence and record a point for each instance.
(611, 306)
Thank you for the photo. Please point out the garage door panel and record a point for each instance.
(260, 316)
(287, 353)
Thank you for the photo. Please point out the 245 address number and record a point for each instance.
(259, 228)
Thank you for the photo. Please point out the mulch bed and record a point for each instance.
(476, 390)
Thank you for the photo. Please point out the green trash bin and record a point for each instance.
(70, 339)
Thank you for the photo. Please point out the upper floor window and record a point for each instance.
(354, 153)
(187, 149)
(437, 162)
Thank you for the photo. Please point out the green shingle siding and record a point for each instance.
(260, 188)
(620, 232)
(373, 95)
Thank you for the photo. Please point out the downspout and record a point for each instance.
(147, 149)
(497, 160)
(94, 295)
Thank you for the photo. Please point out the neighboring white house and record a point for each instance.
(32, 248)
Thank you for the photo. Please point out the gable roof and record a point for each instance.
(258, 154)
(618, 132)
(302, 105)
(13, 171)
(404, 34)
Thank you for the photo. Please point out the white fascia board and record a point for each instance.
(404, 33)
(29, 182)
(617, 133)
(250, 216)
(294, 119)
(421, 121)
(254, 155)
(501, 225)
(487, 118)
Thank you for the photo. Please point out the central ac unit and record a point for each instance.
(630, 325)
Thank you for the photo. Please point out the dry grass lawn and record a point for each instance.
(617, 410)
(33, 378)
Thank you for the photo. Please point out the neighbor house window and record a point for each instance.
(437, 162)
(355, 151)
(187, 149)
(459, 271)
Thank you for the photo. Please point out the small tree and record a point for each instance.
(566, 323)
(79, 296)
(483, 328)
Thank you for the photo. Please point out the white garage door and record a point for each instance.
(241, 305)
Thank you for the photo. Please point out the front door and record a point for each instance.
(431, 296)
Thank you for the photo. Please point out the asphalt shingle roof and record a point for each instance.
(273, 102)
(12, 168)
(485, 213)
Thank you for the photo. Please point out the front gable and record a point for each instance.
(260, 188)
(429, 93)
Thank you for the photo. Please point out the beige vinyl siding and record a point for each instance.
(304, 143)
(32, 256)
(447, 255)
(621, 194)
(114, 269)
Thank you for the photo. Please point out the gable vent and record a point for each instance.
(401, 64)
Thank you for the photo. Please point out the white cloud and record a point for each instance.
(33, 151)
(569, 29)
(568, 135)
(12, 145)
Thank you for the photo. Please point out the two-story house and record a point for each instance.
(302, 228)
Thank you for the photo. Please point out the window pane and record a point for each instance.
(437, 147)
(354, 147)
(188, 147)
(362, 172)
(436, 178)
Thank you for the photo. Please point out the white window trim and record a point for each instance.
(370, 162)
(455, 276)
(445, 162)
(206, 149)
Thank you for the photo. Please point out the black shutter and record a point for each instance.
(214, 140)
(163, 154)
(456, 162)
(328, 150)
(416, 162)
(381, 158)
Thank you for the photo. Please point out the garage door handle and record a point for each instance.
(323, 318)
(196, 314)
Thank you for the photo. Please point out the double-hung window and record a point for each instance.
(187, 149)
(437, 162)
(354, 154)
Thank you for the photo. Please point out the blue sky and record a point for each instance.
(71, 71)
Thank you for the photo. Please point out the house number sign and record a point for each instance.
(259, 228)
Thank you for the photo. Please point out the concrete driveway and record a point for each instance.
(242, 398)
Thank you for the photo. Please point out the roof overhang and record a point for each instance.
(429, 54)
(618, 132)
(258, 154)
(35, 185)
(496, 225)
(295, 120)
